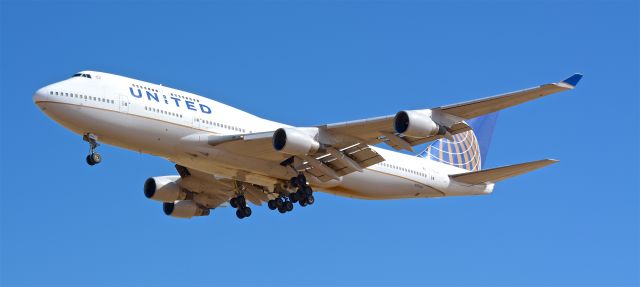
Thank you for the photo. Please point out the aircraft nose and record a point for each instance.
(40, 95)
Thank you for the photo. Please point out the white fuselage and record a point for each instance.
(162, 121)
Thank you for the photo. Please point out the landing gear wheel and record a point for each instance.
(96, 158)
(294, 181)
(246, 211)
(279, 202)
(241, 201)
(234, 202)
(303, 202)
(294, 197)
(307, 191)
(240, 213)
(288, 206)
(272, 204)
(89, 160)
(302, 180)
(310, 200)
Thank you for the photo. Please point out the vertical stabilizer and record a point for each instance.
(468, 150)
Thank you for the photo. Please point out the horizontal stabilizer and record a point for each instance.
(500, 173)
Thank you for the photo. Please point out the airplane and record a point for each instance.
(225, 156)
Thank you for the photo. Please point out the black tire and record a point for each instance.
(288, 206)
(239, 213)
(307, 191)
(282, 209)
(234, 202)
(89, 160)
(96, 158)
(294, 197)
(310, 199)
(272, 204)
(247, 211)
(294, 181)
(303, 202)
(242, 201)
(302, 180)
(279, 202)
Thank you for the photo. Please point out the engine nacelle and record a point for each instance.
(416, 124)
(296, 141)
(183, 209)
(164, 188)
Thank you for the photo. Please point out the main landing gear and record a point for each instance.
(240, 204)
(282, 204)
(93, 157)
(303, 196)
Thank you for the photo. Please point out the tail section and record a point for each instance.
(483, 128)
(467, 150)
(500, 173)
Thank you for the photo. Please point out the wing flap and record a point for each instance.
(500, 173)
(361, 156)
(209, 191)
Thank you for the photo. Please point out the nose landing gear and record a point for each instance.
(93, 157)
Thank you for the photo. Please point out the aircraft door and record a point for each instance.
(196, 122)
(123, 103)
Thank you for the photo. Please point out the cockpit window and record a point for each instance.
(82, 75)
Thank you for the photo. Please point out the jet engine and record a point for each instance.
(416, 124)
(296, 141)
(183, 209)
(164, 188)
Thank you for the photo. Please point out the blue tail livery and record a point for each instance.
(468, 150)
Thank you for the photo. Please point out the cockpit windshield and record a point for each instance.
(82, 75)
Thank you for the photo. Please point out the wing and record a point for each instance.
(342, 157)
(476, 108)
(346, 145)
(381, 129)
(211, 192)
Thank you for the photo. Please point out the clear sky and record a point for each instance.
(313, 62)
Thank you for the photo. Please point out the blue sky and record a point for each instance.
(313, 62)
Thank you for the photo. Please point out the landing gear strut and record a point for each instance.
(240, 204)
(93, 157)
(304, 194)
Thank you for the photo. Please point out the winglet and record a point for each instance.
(573, 80)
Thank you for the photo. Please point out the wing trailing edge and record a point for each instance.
(479, 107)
